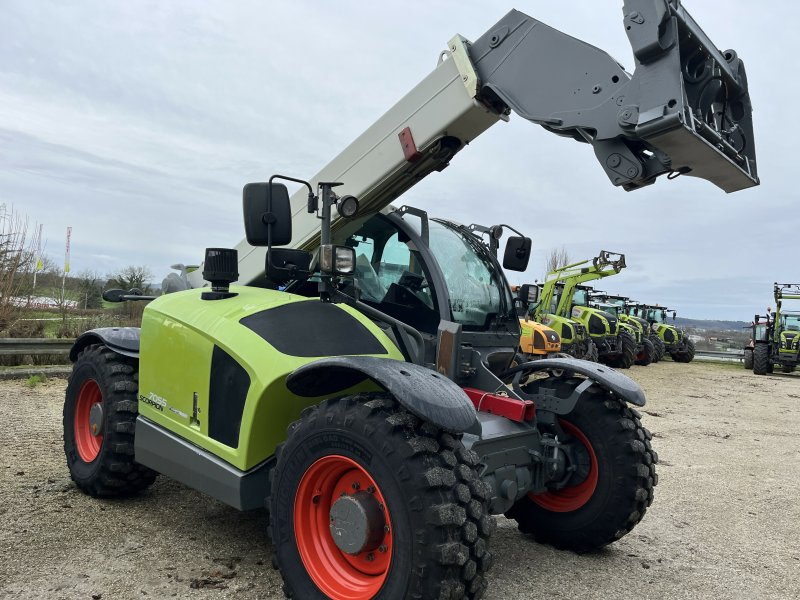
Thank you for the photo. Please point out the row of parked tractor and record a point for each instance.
(563, 315)
(775, 339)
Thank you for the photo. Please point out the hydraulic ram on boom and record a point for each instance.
(684, 110)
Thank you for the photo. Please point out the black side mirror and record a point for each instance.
(267, 214)
(528, 293)
(114, 295)
(517, 254)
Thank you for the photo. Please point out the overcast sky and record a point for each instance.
(137, 123)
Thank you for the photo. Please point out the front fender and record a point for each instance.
(605, 377)
(122, 340)
(424, 392)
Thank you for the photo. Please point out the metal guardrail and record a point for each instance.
(27, 346)
(719, 354)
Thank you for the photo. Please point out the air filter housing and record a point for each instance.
(220, 269)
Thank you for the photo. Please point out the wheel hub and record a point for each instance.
(357, 523)
(96, 419)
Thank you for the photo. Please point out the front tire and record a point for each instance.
(621, 481)
(647, 355)
(658, 344)
(100, 412)
(428, 536)
(748, 358)
(761, 359)
(686, 355)
(592, 353)
(628, 355)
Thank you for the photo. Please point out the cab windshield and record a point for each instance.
(790, 322)
(476, 292)
(580, 298)
(657, 315)
(609, 308)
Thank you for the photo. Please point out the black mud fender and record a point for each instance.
(422, 391)
(605, 377)
(122, 340)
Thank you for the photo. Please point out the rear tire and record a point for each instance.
(100, 412)
(434, 505)
(761, 359)
(624, 464)
(648, 353)
(748, 358)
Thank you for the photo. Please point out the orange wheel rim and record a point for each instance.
(88, 442)
(340, 575)
(572, 497)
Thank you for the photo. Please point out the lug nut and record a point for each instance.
(370, 557)
(382, 548)
(356, 485)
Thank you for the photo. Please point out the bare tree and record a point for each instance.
(557, 258)
(17, 261)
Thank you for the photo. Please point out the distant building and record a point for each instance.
(41, 302)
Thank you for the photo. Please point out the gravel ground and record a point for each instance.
(725, 522)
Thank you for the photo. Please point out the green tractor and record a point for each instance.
(781, 344)
(615, 345)
(675, 341)
(760, 330)
(364, 394)
(645, 348)
(575, 340)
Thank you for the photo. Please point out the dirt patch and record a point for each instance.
(725, 522)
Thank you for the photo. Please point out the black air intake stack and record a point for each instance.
(220, 270)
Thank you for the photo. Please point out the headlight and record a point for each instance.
(337, 260)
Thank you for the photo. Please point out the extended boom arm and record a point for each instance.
(685, 110)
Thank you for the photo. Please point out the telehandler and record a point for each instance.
(536, 340)
(781, 344)
(369, 404)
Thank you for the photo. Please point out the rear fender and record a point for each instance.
(122, 340)
(422, 391)
(555, 395)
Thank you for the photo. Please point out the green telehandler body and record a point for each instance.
(360, 386)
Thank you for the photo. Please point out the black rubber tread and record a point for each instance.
(592, 354)
(658, 343)
(628, 356)
(648, 353)
(627, 478)
(787, 368)
(114, 473)
(684, 356)
(748, 358)
(761, 359)
(438, 492)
